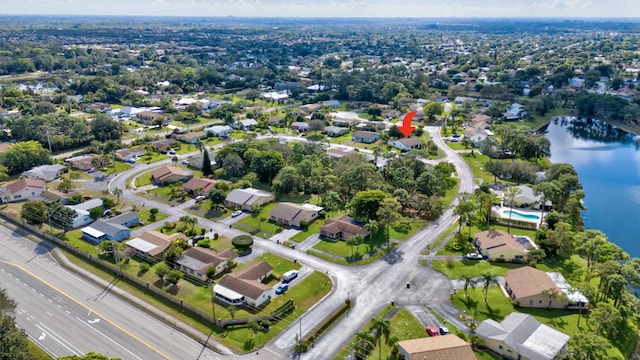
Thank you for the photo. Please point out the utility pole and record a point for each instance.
(49, 141)
(213, 303)
(115, 254)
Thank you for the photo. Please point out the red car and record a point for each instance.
(432, 331)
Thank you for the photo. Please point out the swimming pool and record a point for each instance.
(515, 215)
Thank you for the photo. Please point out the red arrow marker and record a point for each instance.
(406, 129)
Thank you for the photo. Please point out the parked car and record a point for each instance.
(282, 288)
(200, 198)
(131, 161)
(184, 162)
(198, 238)
(289, 275)
(473, 256)
(443, 330)
(236, 213)
(172, 152)
(432, 331)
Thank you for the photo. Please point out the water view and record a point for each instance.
(608, 163)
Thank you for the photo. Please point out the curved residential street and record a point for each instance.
(371, 287)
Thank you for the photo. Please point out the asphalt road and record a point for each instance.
(371, 286)
(67, 314)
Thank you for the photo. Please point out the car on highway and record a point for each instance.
(473, 256)
(443, 330)
(236, 213)
(432, 331)
(282, 288)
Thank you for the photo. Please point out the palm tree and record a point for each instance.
(485, 198)
(381, 328)
(371, 226)
(364, 344)
(357, 240)
(117, 192)
(109, 149)
(488, 280)
(469, 282)
(253, 326)
(465, 209)
(511, 193)
(548, 190)
(350, 242)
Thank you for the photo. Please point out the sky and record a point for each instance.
(329, 8)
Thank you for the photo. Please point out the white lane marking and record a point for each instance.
(42, 336)
(50, 314)
(59, 339)
(95, 321)
(108, 338)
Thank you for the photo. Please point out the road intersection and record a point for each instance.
(371, 287)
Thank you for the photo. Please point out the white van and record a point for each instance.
(289, 275)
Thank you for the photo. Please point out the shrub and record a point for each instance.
(205, 243)
(242, 241)
(215, 236)
(144, 267)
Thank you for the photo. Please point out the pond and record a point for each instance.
(607, 160)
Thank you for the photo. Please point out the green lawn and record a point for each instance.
(456, 269)
(254, 222)
(476, 163)
(152, 156)
(121, 166)
(313, 228)
(145, 216)
(74, 238)
(339, 248)
(143, 180)
(347, 349)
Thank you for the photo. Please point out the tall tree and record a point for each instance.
(388, 213)
(14, 343)
(22, 156)
(206, 164)
(267, 164)
(469, 281)
(34, 212)
(372, 227)
(465, 209)
(381, 328)
(488, 279)
(511, 193)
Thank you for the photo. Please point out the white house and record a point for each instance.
(406, 144)
(82, 217)
(246, 124)
(515, 112)
(521, 336)
(130, 154)
(45, 172)
(221, 131)
(23, 189)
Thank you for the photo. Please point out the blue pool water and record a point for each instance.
(520, 216)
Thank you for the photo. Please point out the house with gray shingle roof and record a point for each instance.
(197, 260)
(247, 199)
(290, 214)
(45, 172)
(521, 336)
